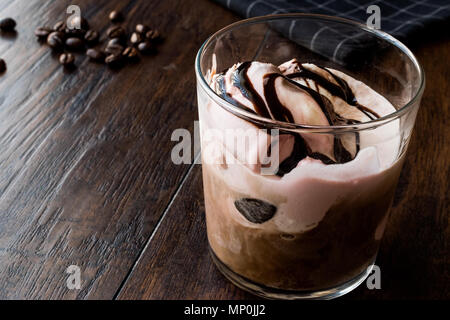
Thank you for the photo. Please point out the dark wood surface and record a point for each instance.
(86, 177)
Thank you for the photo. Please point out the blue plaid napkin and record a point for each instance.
(400, 18)
(404, 19)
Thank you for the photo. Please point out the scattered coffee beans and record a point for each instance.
(59, 26)
(145, 47)
(66, 59)
(116, 32)
(115, 41)
(2, 66)
(7, 24)
(114, 61)
(75, 34)
(74, 44)
(115, 49)
(56, 40)
(142, 28)
(115, 16)
(131, 54)
(95, 55)
(42, 32)
(152, 35)
(77, 22)
(91, 37)
(136, 38)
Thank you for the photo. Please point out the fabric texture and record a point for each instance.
(404, 19)
(400, 18)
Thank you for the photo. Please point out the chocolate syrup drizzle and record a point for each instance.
(275, 110)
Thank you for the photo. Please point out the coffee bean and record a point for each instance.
(116, 32)
(152, 35)
(142, 28)
(114, 49)
(115, 41)
(131, 54)
(255, 210)
(76, 27)
(91, 37)
(2, 65)
(56, 40)
(7, 24)
(95, 55)
(114, 61)
(136, 38)
(115, 16)
(42, 32)
(67, 59)
(60, 26)
(77, 22)
(75, 33)
(146, 47)
(74, 43)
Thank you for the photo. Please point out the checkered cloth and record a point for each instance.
(399, 18)
(404, 19)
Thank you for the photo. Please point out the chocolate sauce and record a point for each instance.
(279, 111)
(275, 110)
(241, 81)
(340, 153)
(299, 152)
(351, 99)
(323, 102)
(223, 93)
(323, 82)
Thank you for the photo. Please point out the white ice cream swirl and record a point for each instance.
(303, 94)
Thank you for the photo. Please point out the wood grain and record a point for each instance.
(85, 177)
(414, 254)
(84, 170)
(177, 265)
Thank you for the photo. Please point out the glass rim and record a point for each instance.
(303, 127)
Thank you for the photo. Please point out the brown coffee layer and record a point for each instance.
(341, 246)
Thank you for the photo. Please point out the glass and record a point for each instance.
(318, 231)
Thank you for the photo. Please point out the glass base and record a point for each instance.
(274, 293)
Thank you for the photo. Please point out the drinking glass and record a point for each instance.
(314, 233)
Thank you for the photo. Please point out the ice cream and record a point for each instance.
(318, 220)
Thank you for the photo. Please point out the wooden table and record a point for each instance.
(86, 180)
